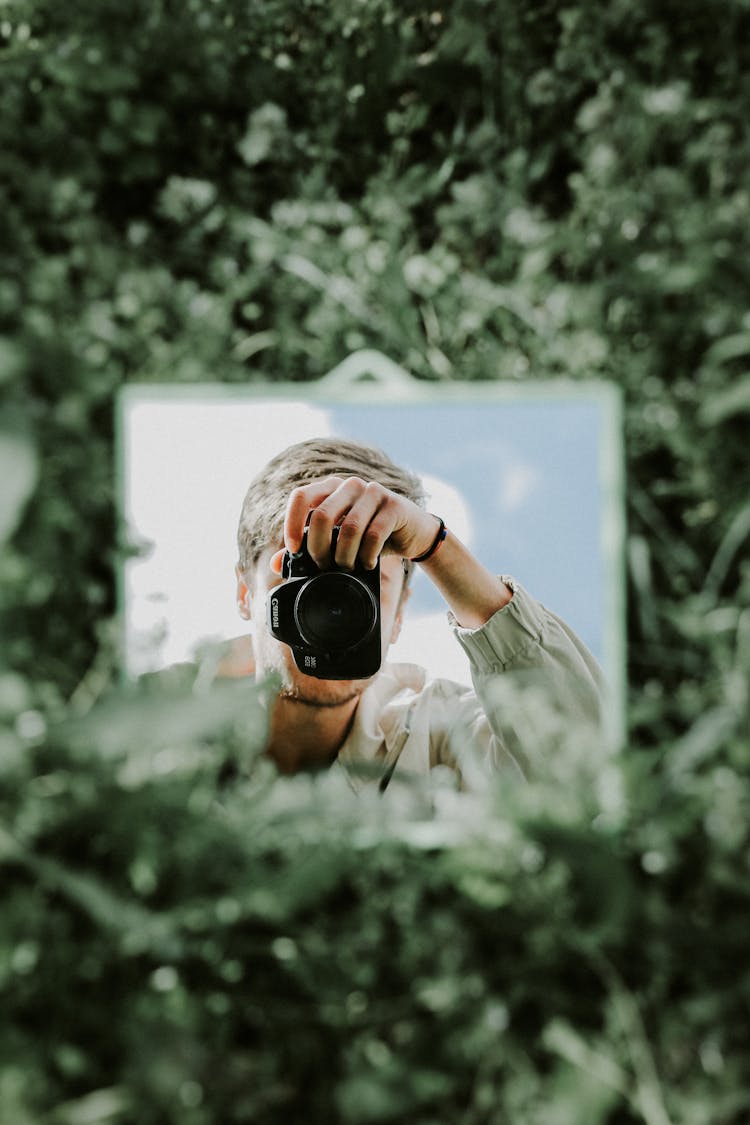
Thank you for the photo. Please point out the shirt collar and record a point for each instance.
(380, 725)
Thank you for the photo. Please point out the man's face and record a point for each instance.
(272, 655)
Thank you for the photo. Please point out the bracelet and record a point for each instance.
(442, 532)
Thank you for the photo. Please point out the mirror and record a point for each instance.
(528, 475)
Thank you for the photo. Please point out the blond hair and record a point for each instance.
(262, 518)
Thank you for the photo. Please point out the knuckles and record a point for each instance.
(377, 490)
(302, 491)
(320, 515)
(350, 530)
(355, 535)
(372, 538)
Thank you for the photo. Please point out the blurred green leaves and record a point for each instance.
(237, 192)
(18, 471)
(187, 943)
(237, 195)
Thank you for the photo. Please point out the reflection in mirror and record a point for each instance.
(528, 477)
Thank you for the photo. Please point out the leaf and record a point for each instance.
(266, 125)
(100, 1107)
(727, 403)
(738, 531)
(18, 473)
(728, 348)
(108, 910)
(565, 1041)
(126, 726)
(11, 360)
(706, 736)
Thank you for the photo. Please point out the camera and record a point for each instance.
(329, 618)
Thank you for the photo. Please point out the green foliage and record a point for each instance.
(481, 190)
(187, 937)
(240, 191)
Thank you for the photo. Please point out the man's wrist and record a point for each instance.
(439, 538)
(472, 592)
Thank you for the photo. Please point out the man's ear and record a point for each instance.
(244, 606)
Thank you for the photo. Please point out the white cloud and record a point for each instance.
(517, 484)
(447, 502)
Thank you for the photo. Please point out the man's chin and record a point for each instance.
(311, 692)
(299, 688)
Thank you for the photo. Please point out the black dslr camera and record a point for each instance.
(329, 618)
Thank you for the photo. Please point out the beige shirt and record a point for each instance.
(535, 684)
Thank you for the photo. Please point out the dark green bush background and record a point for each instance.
(239, 191)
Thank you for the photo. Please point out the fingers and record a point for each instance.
(365, 513)
(301, 501)
(377, 533)
(360, 528)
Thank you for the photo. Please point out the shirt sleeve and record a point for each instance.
(538, 684)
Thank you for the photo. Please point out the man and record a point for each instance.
(524, 660)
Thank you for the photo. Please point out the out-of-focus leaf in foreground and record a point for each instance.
(18, 474)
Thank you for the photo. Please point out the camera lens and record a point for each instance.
(335, 611)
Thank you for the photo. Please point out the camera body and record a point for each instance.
(329, 618)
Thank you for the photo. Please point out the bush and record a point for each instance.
(184, 941)
(249, 191)
(482, 191)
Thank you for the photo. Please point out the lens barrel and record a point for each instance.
(335, 611)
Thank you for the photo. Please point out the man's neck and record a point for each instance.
(308, 735)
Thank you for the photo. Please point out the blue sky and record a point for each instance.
(524, 490)
(529, 475)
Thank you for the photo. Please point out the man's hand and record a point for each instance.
(371, 519)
